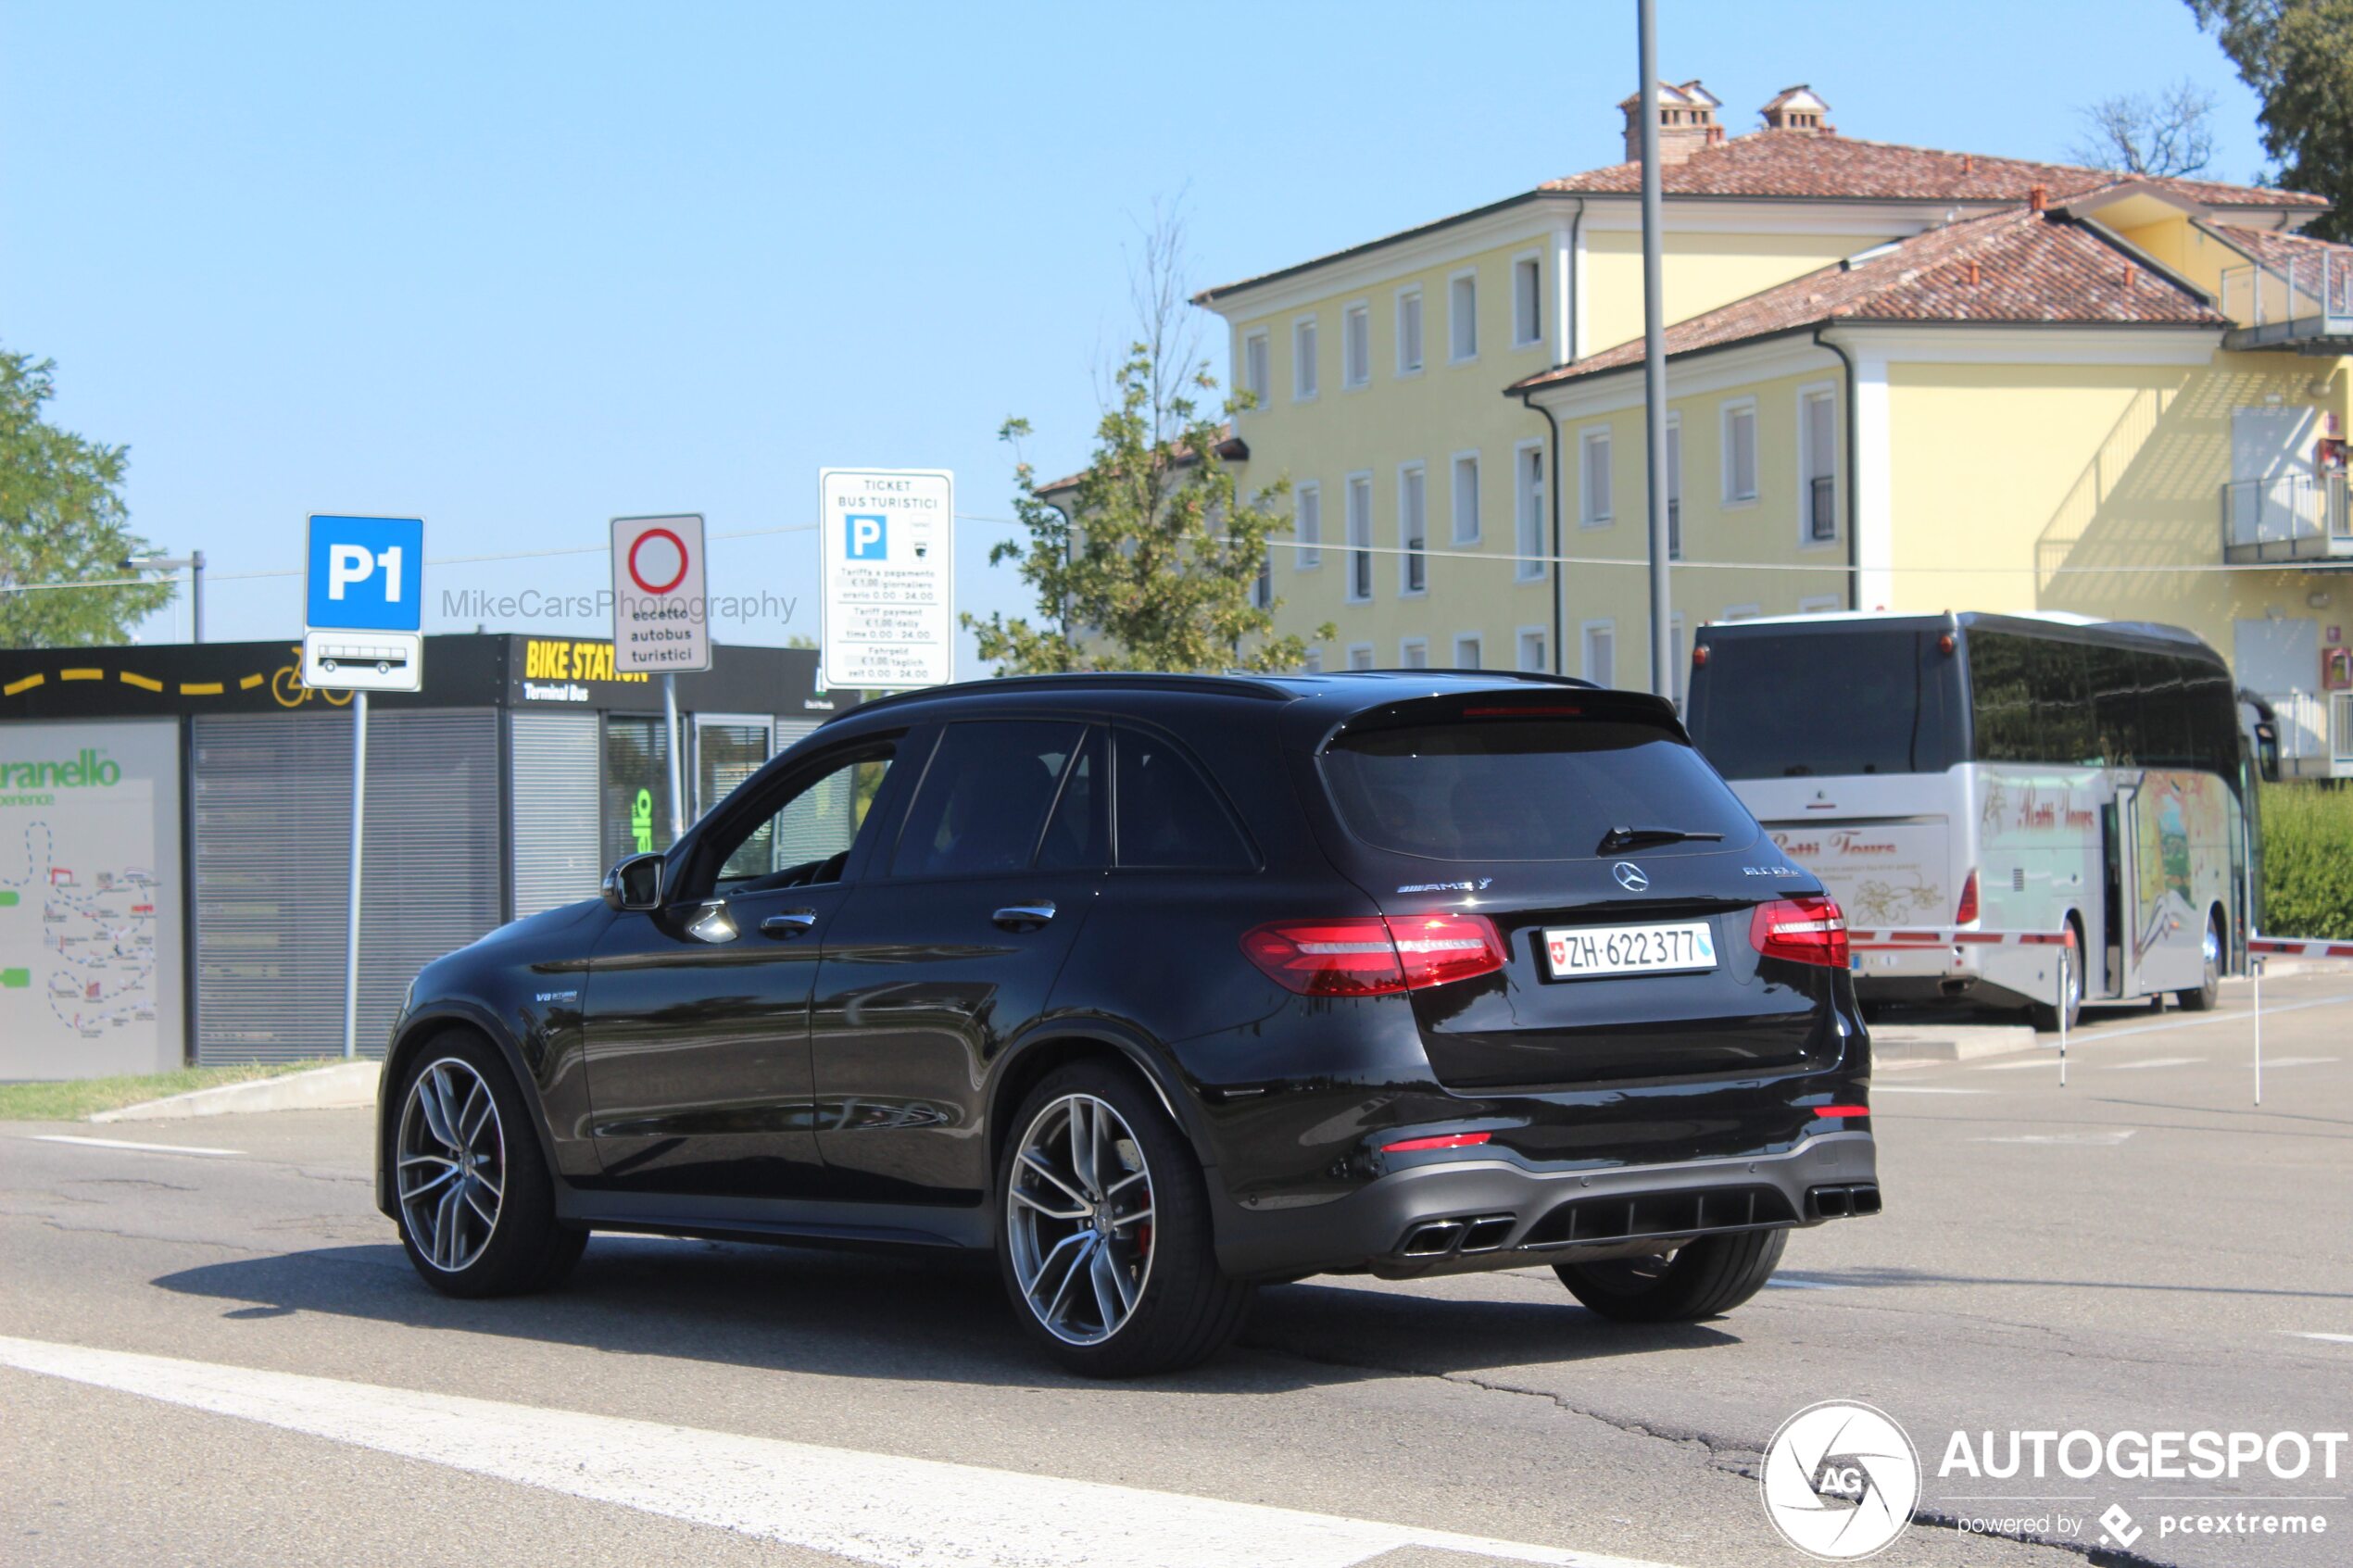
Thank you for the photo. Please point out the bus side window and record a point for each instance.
(2116, 704)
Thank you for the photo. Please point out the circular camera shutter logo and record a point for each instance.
(1841, 1480)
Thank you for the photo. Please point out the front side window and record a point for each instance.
(806, 840)
(1169, 815)
(984, 797)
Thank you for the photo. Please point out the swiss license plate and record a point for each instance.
(1580, 952)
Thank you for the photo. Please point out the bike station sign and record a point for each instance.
(365, 605)
(660, 610)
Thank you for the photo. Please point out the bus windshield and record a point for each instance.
(1809, 701)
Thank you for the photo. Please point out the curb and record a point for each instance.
(1951, 1042)
(342, 1087)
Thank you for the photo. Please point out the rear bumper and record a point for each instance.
(1456, 1215)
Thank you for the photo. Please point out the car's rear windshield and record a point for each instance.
(1825, 702)
(1527, 789)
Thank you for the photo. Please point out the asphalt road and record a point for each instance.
(236, 1363)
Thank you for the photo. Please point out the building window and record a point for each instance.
(1528, 302)
(1255, 380)
(1356, 346)
(1528, 505)
(1674, 487)
(1462, 317)
(1413, 529)
(1466, 652)
(1601, 653)
(1307, 525)
(1262, 589)
(1359, 656)
(1414, 654)
(1313, 663)
(1740, 451)
(1465, 498)
(1533, 652)
(1593, 480)
(1302, 359)
(1409, 332)
(1359, 523)
(1817, 456)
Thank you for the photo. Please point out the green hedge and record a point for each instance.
(2307, 860)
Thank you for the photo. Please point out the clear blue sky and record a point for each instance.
(519, 268)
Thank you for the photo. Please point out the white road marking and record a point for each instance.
(2150, 1062)
(2271, 1061)
(872, 1508)
(1879, 1089)
(2196, 1021)
(2300, 1334)
(2107, 1139)
(2048, 1065)
(135, 1147)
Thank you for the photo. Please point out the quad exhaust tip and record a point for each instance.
(1442, 1238)
(1843, 1202)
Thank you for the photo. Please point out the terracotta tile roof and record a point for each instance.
(2018, 267)
(2275, 250)
(1231, 447)
(1799, 163)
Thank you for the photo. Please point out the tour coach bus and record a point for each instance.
(1998, 774)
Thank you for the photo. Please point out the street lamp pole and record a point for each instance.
(1655, 359)
(193, 562)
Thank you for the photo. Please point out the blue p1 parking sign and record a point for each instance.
(367, 574)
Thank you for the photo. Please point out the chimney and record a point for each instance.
(1686, 122)
(2037, 197)
(1797, 108)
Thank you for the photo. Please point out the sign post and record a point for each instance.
(888, 545)
(362, 634)
(660, 625)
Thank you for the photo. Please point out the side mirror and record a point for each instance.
(635, 884)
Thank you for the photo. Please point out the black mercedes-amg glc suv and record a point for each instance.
(1160, 987)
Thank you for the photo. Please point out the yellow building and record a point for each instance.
(1898, 379)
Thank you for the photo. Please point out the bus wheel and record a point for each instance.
(2204, 998)
(2046, 1017)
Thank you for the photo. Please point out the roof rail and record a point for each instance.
(1078, 680)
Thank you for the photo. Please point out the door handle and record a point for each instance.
(1025, 917)
(789, 925)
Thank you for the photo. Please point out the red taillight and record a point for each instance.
(1448, 1140)
(1807, 929)
(1522, 712)
(1841, 1110)
(1968, 911)
(1371, 956)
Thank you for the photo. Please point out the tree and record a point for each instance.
(2297, 56)
(2169, 132)
(61, 520)
(1151, 563)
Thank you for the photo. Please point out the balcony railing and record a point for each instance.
(2287, 518)
(2307, 297)
(1821, 520)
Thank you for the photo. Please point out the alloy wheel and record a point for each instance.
(452, 1174)
(1078, 1218)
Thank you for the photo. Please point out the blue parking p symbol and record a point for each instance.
(867, 541)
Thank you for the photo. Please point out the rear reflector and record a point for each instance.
(1967, 913)
(1807, 929)
(1841, 1110)
(1449, 1140)
(1367, 956)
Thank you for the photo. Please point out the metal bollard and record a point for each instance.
(2255, 968)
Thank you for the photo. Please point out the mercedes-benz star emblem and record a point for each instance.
(1630, 876)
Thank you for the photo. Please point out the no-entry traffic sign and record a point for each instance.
(659, 607)
(886, 539)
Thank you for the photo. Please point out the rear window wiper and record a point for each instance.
(1629, 838)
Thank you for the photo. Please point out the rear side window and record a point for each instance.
(1526, 789)
(1168, 814)
(983, 798)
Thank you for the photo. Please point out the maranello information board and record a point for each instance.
(89, 911)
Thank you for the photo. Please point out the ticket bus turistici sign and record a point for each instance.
(886, 545)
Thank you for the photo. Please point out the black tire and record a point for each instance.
(2203, 998)
(527, 1249)
(1188, 1308)
(2045, 1018)
(1709, 1276)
